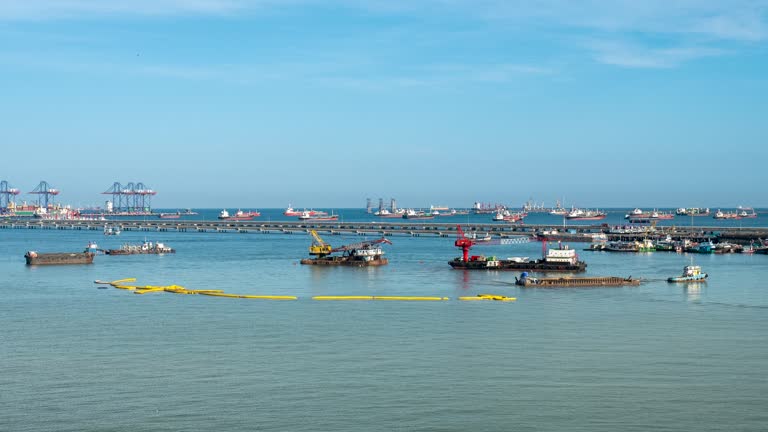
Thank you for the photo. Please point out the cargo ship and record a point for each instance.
(560, 259)
(59, 258)
(145, 248)
(317, 216)
(362, 254)
(692, 211)
(579, 214)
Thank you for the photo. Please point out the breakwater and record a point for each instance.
(418, 229)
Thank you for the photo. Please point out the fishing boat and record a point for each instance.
(238, 216)
(703, 247)
(691, 273)
(580, 214)
(622, 246)
(111, 230)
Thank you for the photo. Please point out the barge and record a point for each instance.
(560, 259)
(145, 248)
(362, 254)
(592, 281)
(59, 258)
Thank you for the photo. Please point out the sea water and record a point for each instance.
(655, 357)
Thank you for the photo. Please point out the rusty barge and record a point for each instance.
(58, 258)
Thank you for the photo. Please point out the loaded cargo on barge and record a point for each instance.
(362, 254)
(560, 259)
(592, 281)
(144, 248)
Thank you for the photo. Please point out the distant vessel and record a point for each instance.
(726, 215)
(317, 216)
(439, 208)
(417, 214)
(145, 248)
(384, 213)
(36, 258)
(747, 212)
(579, 214)
(238, 216)
(691, 273)
(692, 211)
(507, 216)
(555, 235)
(486, 208)
(176, 215)
(290, 211)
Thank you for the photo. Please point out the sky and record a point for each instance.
(324, 103)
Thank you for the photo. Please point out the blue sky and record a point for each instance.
(325, 103)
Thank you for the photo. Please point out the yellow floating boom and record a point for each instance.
(393, 298)
(495, 297)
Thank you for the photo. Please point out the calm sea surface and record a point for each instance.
(654, 357)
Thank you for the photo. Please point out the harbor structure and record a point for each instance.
(130, 199)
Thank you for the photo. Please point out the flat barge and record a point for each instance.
(58, 258)
(595, 281)
(146, 248)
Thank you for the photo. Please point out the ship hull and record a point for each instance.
(586, 218)
(345, 261)
(59, 258)
(535, 266)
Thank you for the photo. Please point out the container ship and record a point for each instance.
(560, 259)
(362, 254)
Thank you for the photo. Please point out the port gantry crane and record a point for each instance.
(45, 194)
(7, 195)
(320, 248)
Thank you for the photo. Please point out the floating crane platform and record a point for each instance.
(362, 254)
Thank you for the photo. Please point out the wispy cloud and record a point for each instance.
(629, 55)
(691, 29)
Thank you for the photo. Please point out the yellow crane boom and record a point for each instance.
(318, 247)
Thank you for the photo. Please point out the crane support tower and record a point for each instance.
(6, 195)
(133, 198)
(45, 194)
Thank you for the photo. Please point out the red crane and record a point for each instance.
(464, 242)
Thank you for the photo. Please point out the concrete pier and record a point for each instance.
(383, 228)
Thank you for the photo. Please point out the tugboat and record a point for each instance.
(561, 259)
(691, 273)
(362, 254)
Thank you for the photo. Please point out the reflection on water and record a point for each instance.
(693, 291)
